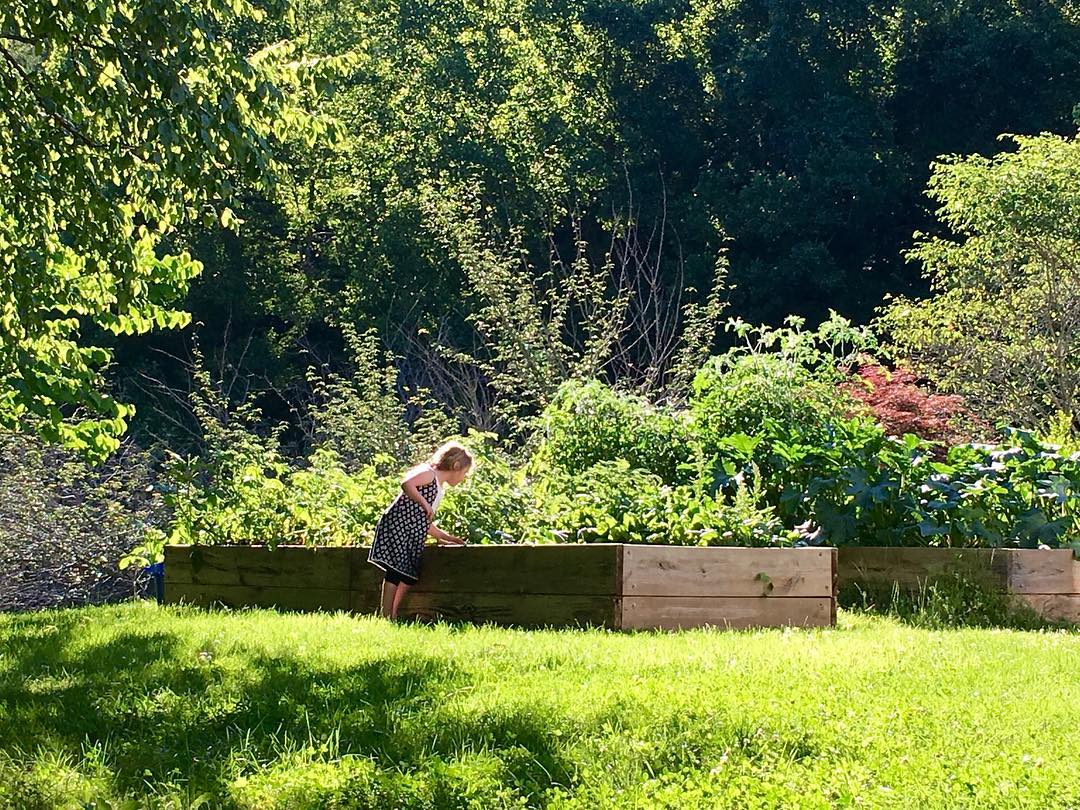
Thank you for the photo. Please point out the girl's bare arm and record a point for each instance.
(444, 537)
(409, 487)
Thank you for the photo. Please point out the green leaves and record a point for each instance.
(117, 122)
(586, 423)
(1003, 325)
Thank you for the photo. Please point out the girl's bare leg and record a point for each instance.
(387, 599)
(402, 589)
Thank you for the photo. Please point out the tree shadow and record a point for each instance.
(162, 710)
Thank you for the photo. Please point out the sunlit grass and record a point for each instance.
(258, 709)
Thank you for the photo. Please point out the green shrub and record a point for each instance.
(744, 394)
(855, 483)
(862, 487)
(243, 503)
(771, 410)
(332, 507)
(786, 375)
(1022, 493)
(587, 423)
(609, 502)
(242, 490)
(613, 503)
(496, 505)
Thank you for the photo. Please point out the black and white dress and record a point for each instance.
(401, 532)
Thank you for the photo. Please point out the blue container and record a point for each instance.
(157, 575)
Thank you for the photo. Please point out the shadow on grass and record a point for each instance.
(950, 601)
(163, 711)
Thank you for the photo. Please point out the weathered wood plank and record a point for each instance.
(367, 600)
(675, 613)
(521, 569)
(1062, 607)
(912, 568)
(694, 571)
(620, 581)
(834, 562)
(257, 596)
(1043, 571)
(526, 610)
(284, 566)
(365, 580)
(528, 586)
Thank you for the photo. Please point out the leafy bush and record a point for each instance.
(860, 486)
(587, 423)
(614, 503)
(1001, 325)
(852, 482)
(244, 503)
(241, 490)
(785, 376)
(1023, 493)
(771, 410)
(610, 502)
(741, 394)
(765, 455)
(66, 523)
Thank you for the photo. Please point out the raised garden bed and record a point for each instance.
(606, 585)
(1048, 581)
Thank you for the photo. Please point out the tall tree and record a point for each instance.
(1003, 324)
(118, 121)
(802, 131)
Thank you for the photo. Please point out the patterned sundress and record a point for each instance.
(401, 532)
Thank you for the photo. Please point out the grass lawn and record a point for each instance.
(138, 705)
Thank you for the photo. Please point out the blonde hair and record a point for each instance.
(451, 456)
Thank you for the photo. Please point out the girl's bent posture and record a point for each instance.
(406, 523)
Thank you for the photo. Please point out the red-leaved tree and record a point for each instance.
(902, 406)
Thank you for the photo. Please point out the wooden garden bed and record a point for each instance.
(605, 585)
(1047, 581)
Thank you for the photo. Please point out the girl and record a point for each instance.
(406, 523)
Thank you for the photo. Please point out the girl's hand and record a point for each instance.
(430, 514)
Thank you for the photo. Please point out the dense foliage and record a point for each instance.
(529, 220)
(809, 465)
(119, 121)
(485, 136)
(587, 423)
(1003, 325)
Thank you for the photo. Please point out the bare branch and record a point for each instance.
(19, 38)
